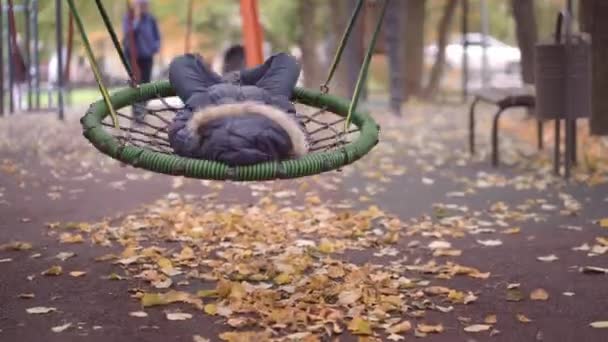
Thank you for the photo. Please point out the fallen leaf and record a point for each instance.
(349, 297)
(394, 337)
(568, 294)
(178, 316)
(326, 247)
(53, 271)
(511, 231)
(539, 294)
(594, 270)
(245, 336)
(400, 328)
(207, 293)
(435, 245)
(475, 328)
(428, 329)
(604, 222)
(522, 318)
(138, 314)
(599, 325)
(489, 243)
(490, 319)
(40, 310)
(26, 295)
(71, 238)
(77, 274)
(61, 328)
(16, 246)
(548, 258)
(282, 279)
(63, 256)
(155, 299)
(199, 338)
(515, 295)
(447, 253)
(359, 326)
(210, 309)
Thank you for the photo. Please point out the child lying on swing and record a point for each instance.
(242, 119)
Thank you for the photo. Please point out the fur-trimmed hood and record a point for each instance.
(287, 121)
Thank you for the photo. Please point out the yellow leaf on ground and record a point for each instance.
(16, 246)
(349, 297)
(599, 325)
(475, 328)
(282, 279)
(71, 238)
(77, 274)
(53, 271)
(510, 231)
(211, 309)
(245, 336)
(400, 328)
(154, 299)
(178, 316)
(539, 294)
(326, 247)
(360, 326)
(427, 329)
(522, 318)
(490, 319)
(604, 222)
(207, 293)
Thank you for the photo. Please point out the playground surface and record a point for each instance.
(417, 239)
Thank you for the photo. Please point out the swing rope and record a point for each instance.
(365, 68)
(93, 62)
(342, 46)
(361, 79)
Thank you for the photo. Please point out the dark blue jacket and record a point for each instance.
(147, 36)
(241, 119)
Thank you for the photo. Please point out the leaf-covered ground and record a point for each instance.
(418, 240)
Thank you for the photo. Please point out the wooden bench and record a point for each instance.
(503, 98)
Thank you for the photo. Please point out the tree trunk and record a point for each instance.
(527, 36)
(595, 13)
(348, 70)
(308, 41)
(395, 46)
(413, 33)
(444, 28)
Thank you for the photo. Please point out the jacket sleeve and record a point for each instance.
(183, 142)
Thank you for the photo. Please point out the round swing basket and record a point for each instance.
(142, 142)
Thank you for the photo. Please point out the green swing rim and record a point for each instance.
(311, 164)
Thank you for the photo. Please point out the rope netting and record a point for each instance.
(145, 125)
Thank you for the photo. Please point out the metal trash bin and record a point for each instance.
(550, 71)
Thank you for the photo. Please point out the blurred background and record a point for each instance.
(311, 29)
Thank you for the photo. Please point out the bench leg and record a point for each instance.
(495, 152)
(472, 127)
(540, 135)
(557, 156)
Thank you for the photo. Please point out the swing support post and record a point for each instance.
(252, 32)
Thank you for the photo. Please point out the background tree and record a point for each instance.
(395, 49)
(413, 34)
(593, 20)
(346, 76)
(309, 34)
(442, 38)
(527, 36)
